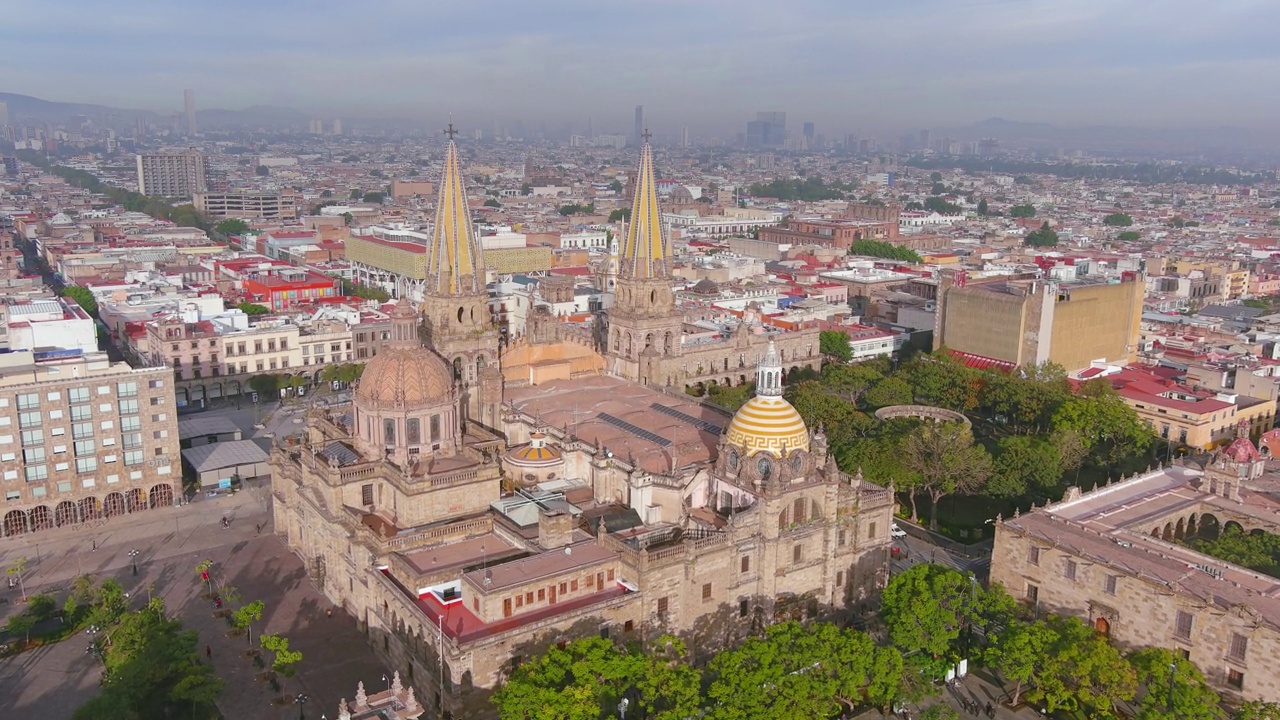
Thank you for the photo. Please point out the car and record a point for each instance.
(896, 531)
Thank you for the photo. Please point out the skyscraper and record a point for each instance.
(684, 136)
(768, 130)
(639, 124)
(808, 131)
(4, 114)
(189, 103)
(172, 175)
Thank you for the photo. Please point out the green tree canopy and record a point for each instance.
(1172, 687)
(263, 170)
(1110, 429)
(1017, 650)
(880, 249)
(620, 214)
(577, 208)
(1118, 220)
(374, 197)
(232, 226)
(1022, 211)
(493, 203)
(810, 188)
(1129, 236)
(82, 297)
(927, 608)
(835, 343)
(1044, 237)
(983, 208)
(251, 309)
(1022, 463)
(947, 461)
(1258, 550)
(1081, 670)
(937, 204)
(889, 391)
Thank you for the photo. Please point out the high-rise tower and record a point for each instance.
(455, 304)
(644, 322)
(189, 104)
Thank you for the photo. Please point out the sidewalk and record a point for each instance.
(978, 686)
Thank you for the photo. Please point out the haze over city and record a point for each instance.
(846, 65)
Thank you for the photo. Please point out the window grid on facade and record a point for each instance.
(706, 592)
(1033, 593)
(1033, 555)
(1182, 625)
(1239, 647)
(1110, 584)
(663, 604)
(1069, 569)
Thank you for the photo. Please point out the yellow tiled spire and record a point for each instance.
(454, 262)
(644, 248)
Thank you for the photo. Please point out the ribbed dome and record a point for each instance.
(768, 423)
(404, 378)
(536, 454)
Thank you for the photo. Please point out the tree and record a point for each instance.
(889, 391)
(1081, 669)
(21, 624)
(252, 309)
(263, 170)
(374, 197)
(849, 381)
(820, 408)
(1108, 427)
(936, 204)
(926, 607)
(283, 659)
(1022, 463)
(1017, 651)
(889, 251)
(941, 711)
(1129, 236)
(1022, 211)
(1071, 449)
(623, 214)
(493, 203)
(835, 344)
(1258, 710)
(947, 460)
(232, 226)
(983, 208)
(616, 185)
(82, 297)
(1258, 550)
(935, 176)
(355, 194)
(1118, 220)
(42, 606)
(265, 384)
(246, 616)
(1044, 237)
(796, 671)
(1173, 688)
(326, 193)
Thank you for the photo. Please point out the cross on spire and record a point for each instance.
(646, 135)
(449, 131)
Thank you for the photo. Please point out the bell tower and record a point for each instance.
(644, 322)
(455, 306)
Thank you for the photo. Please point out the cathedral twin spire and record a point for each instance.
(645, 253)
(455, 264)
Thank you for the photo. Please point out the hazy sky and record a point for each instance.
(709, 64)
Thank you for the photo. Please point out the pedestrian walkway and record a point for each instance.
(980, 688)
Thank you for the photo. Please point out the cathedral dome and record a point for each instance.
(768, 423)
(404, 378)
(404, 375)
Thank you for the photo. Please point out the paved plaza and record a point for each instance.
(52, 681)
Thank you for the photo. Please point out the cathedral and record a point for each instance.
(472, 507)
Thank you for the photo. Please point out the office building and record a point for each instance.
(1118, 558)
(189, 105)
(640, 128)
(684, 136)
(768, 130)
(1031, 321)
(4, 114)
(247, 205)
(172, 174)
(808, 131)
(82, 438)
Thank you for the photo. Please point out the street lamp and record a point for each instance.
(300, 701)
(133, 555)
(1173, 673)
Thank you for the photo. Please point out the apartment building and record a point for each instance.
(84, 439)
(172, 174)
(255, 205)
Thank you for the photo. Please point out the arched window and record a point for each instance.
(413, 431)
(389, 431)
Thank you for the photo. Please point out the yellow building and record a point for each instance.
(1235, 279)
(1028, 322)
(403, 258)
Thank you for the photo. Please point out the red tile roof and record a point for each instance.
(982, 362)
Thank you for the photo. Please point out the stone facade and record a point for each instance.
(1112, 557)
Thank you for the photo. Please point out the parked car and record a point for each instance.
(895, 531)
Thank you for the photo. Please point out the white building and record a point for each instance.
(50, 324)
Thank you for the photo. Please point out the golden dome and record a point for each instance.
(536, 454)
(768, 422)
(404, 378)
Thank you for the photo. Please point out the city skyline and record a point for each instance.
(843, 66)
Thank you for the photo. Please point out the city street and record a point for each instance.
(52, 681)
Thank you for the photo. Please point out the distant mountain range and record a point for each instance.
(32, 108)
